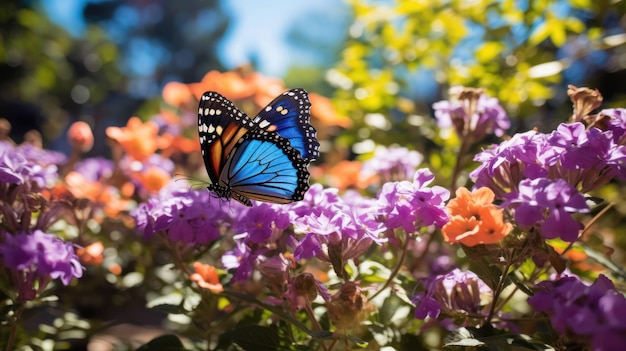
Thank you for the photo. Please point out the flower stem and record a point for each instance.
(497, 292)
(397, 268)
(13, 332)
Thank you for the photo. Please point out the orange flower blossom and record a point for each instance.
(474, 219)
(139, 140)
(206, 277)
(91, 254)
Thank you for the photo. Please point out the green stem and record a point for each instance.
(459, 164)
(497, 292)
(397, 268)
(13, 332)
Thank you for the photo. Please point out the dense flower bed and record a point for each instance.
(388, 262)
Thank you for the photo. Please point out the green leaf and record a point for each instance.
(255, 338)
(358, 343)
(489, 51)
(167, 308)
(163, 343)
(494, 339)
(463, 338)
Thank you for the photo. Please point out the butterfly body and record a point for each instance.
(265, 158)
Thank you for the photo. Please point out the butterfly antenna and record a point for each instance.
(194, 181)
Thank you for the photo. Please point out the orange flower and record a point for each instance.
(176, 94)
(346, 174)
(265, 88)
(176, 143)
(206, 277)
(139, 140)
(474, 219)
(322, 109)
(153, 179)
(91, 254)
(230, 84)
(80, 136)
(467, 204)
(97, 192)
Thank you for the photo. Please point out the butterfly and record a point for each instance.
(265, 158)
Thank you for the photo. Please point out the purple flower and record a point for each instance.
(505, 165)
(315, 199)
(43, 254)
(578, 147)
(17, 169)
(190, 216)
(130, 165)
(411, 205)
(595, 311)
(586, 158)
(393, 163)
(241, 259)
(338, 232)
(486, 116)
(261, 221)
(616, 124)
(548, 205)
(11, 168)
(41, 156)
(452, 294)
(95, 169)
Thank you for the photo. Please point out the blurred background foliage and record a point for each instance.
(401, 56)
(384, 62)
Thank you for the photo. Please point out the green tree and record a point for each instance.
(510, 48)
(48, 75)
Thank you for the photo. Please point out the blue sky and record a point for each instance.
(259, 27)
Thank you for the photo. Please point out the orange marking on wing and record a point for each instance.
(216, 157)
(234, 136)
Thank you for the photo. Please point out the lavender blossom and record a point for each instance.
(505, 165)
(473, 115)
(393, 163)
(15, 168)
(43, 255)
(190, 216)
(95, 169)
(456, 293)
(593, 311)
(412, 205)
(548, 205)
(338, 232)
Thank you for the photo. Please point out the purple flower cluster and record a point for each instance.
(324, 225)
(393, 163)
(38, 256)
(585, 158)
(454, 294)
(409, 205)
(95, 169)
(473, 117)
(262, 236)
(336, 229)
(594, 311)
(548, 204)
(190, 216)
(28, 164)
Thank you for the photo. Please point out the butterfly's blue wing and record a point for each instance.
(265, 167)
(221, 126)
(265, 158)
(289, 116)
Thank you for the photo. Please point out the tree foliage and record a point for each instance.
(517, 51)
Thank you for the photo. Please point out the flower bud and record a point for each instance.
(80, 136)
